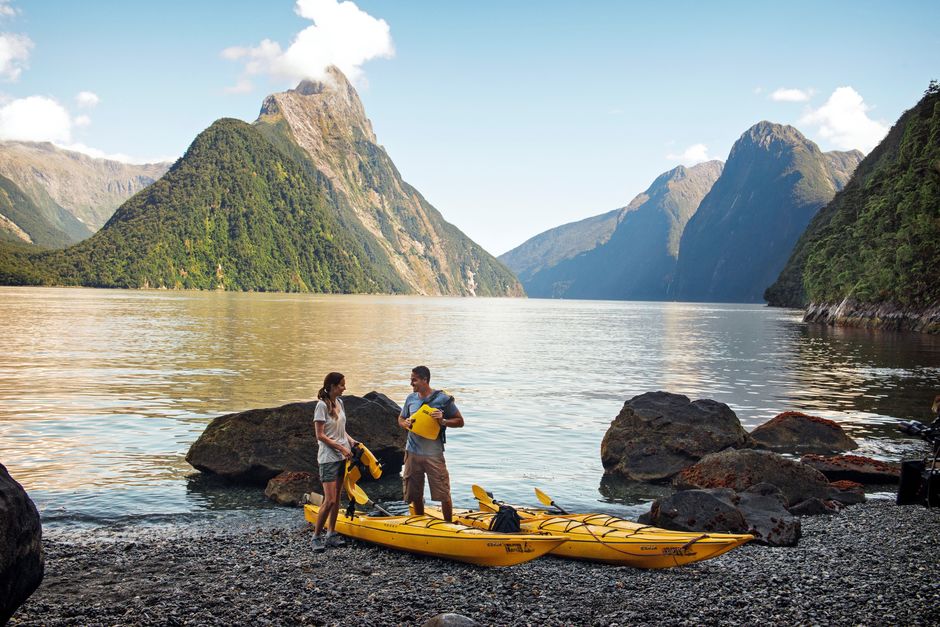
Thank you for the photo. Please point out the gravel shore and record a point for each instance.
(872, 564)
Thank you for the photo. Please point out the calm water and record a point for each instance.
(103, 391)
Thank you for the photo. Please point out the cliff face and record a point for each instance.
(637, 260)
(398, 226)
(774, 182)
(869, 258)
(73, 191)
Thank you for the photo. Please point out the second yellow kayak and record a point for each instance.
(622, 542)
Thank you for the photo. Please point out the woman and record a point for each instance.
(335, 446)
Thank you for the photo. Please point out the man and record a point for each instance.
(424, 456)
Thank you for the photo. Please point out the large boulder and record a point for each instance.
(796, 432)
(741, 469)
(759, 511)
(255, 445)
(854, 468)
(657, 434)
(711, 511)
(22, 562)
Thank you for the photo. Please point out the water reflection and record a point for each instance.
(103, 391)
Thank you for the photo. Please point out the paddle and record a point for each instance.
(547, 500)
(360, 496)
(485, 498)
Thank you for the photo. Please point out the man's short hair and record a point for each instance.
(422, 372)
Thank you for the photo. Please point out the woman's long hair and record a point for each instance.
(329, 381)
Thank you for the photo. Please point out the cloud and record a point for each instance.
(696, 153)
(87, 99)
(844, 121)
(14, 52)
(35, 118)
(342, 35)
(6, 10)
(119, 156)
(82, 120)
(791, 95)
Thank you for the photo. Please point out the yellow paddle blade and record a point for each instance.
(484, 498)
(544, 498)
(355, 492)
(547, 500)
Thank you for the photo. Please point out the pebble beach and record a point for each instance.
(871, 564)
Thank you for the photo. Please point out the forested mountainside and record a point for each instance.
(234, 213)
(870, 256)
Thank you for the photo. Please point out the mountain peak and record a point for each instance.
(333, 81)
(764, 134)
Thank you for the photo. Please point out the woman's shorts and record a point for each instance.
(412, 478)
(332, 471)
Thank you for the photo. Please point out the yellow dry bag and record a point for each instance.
(424, 424)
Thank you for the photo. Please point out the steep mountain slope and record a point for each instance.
(876, 242)
(233, 213)
(774, 182)
(551, 247)
(395, 223)
(73, 192)
(23, 222)
(638, 259)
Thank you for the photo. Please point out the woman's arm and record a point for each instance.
(323, 437)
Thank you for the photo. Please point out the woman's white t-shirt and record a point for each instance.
(334, 428)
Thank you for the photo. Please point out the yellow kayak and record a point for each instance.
(641, 547)
(427, 535)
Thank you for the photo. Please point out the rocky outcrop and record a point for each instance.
(741, 469)
(854, 468)
(22, 561)
(759, 511)
(850, 313)
(256, 445)
(793, 431)
(657, 434)
(289, 487)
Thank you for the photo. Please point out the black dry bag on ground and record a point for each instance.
(506, 520)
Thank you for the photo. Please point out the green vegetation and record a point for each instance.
(876, 242)
(22, 211)
(234, 213)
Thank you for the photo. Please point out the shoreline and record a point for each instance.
(874, 563)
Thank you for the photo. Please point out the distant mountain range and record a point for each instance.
(56, 197)
(713, 232)
(870, 256)
(629, 253)
(303, 200)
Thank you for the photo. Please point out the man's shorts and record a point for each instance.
(412, 478)
(332, 471)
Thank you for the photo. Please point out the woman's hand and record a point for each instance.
(345, 452)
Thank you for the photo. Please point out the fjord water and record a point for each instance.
(103, 391)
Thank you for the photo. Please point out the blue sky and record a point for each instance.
(510, 117)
